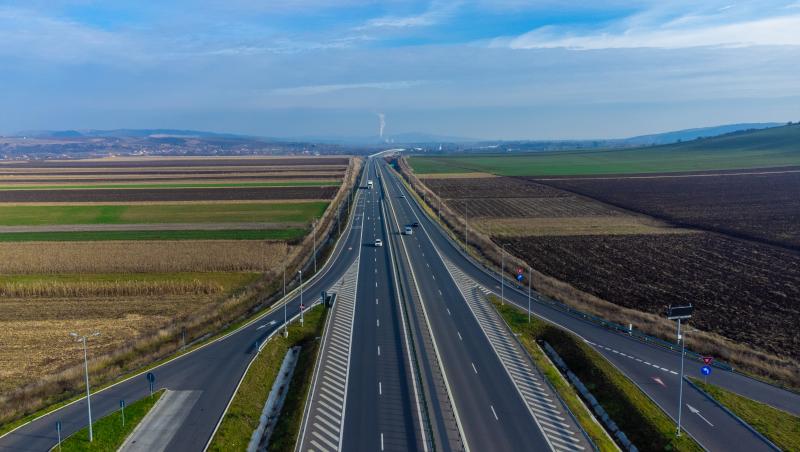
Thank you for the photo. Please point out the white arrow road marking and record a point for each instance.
(266, 325)
(697, 412)
(659, 381)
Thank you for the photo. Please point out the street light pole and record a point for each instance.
(466, 228)
(530, 275)
(285, 303)
(301, 296)
(680, 383)
(86, 370)
(314, 234)
(680, 313)
(503, 275)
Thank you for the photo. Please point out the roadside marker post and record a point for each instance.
(122, 410)
(680, 313)
(151, 379)
(58, 430)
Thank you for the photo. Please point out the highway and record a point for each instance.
(493, 415)
(382, 409)
(213, 370)
(652, 368)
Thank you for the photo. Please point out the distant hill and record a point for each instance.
(127, 133)
(692, 134)
(783, 138)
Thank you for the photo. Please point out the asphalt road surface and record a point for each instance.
(652, 368)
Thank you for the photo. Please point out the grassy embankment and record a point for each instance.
(780, 427)
(645, 424)
(108, 432)
(773, 147)
(243, 414)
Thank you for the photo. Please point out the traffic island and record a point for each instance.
(778, 426)
(110, 432)
(645, 424)
(243, 415)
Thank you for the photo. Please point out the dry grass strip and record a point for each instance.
(141, 256)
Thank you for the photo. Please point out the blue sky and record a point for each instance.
(486, 68)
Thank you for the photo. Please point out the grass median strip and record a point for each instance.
(780, 427)
(243, 414)
(89, 236)
(520, 326)
(645, 424)
(109, 433)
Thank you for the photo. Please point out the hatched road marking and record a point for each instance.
(548, 411)
(322, 426)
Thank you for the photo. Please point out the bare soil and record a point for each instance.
(169, 194)
(741, 290)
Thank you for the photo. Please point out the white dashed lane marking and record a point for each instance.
(638, 360)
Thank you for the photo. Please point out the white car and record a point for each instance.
(378, 242)
(408, 230)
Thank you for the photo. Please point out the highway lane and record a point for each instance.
(214, 369)
(492, 413)
(381, 408)
(648, 366)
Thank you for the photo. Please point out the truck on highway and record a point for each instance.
(369, 184)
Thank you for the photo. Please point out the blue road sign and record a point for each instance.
(705, 370)
(150, 377)
(519, 277)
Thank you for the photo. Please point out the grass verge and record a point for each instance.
(645, 424)
(525, 331)
(109, 433)
(243, 414)
(780, 427)
(91, 236)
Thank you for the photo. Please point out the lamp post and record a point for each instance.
(285, 303)
(86, 369)
(503, 275)
(680, 313)
(314, 235)
(466, 228)
(530, 276)
(300, 272)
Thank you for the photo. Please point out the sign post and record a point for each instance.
(58, 430)
(680, 313)
(151, 379)
(122, 410)
(706, 371)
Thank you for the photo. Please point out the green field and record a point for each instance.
(283, 212)
(774, 147)
(172, 185)
(88, 236)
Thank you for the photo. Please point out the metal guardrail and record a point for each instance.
(598, 409)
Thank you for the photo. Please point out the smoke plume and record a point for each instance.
(382, 119)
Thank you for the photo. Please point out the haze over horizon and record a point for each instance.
(490, 70)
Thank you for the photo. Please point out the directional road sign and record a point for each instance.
(705, 370)
(519, 277)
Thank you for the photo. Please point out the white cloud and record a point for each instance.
(437, 13)
(310, 90)
(684, 32)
